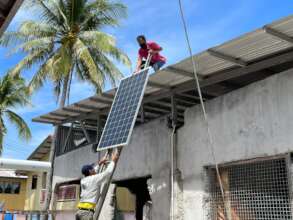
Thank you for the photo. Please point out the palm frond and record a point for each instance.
(44, 71)
(31, 59)
(22, 127)
(104, 43)
(83, 54)
(34, 46)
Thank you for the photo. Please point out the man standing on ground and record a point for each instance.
(90, 187)
(157, 60)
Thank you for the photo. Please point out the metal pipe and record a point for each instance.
(25, 165)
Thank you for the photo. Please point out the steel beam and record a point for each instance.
(51, 118)
(183, 98)
(278, 34)
(220, 55)
(59, 114)
(100, 100)
(46, 121)
(67, 109)
(89, 107)
(166, 105)
(158, 85)
(180, 72)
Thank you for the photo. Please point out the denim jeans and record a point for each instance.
(156, 66)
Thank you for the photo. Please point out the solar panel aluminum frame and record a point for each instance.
(135, 115)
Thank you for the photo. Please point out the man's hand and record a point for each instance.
(104, 160)
(115, 156)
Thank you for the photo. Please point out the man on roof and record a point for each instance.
(146, 48)
(90, 187)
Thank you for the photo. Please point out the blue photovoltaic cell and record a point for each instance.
(124, 111)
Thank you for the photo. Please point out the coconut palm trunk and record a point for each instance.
(49, 178)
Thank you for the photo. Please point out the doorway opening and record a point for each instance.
(133, 200)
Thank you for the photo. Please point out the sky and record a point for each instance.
(210, 22)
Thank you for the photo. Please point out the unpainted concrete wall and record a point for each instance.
(147, 154)
(251, 122)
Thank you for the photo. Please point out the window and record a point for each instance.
(9, 187)
(67, 192)
(253, 190)
(34, 182)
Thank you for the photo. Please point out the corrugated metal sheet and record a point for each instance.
(248, 48)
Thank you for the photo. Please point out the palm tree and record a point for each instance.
(69, 40)
(13, 93)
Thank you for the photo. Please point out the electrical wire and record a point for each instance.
(209, 133)
(172, 172)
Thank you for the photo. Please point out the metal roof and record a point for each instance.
(42, 149)
(8, 9)
(231, 65)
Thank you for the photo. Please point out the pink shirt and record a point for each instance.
(143, 53)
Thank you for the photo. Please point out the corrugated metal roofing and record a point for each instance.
(239, 54)
(42, 149)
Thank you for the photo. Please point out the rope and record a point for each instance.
(210, 137)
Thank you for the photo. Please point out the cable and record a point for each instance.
(210, 137)
(172, 172)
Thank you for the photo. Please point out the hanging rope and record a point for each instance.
(210, 137)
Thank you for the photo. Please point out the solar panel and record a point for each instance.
(124, 110)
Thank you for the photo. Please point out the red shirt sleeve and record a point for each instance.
(154, 46)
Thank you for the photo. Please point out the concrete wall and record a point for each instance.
(251, 122)
(147, 154)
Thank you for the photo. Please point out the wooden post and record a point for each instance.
(227, 202)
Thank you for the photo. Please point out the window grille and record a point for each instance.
(253, 190)
(67, 192)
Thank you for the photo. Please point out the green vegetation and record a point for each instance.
(13, 93)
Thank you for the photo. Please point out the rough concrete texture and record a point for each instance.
(147, 154)
(251, 122)
(178, 197)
